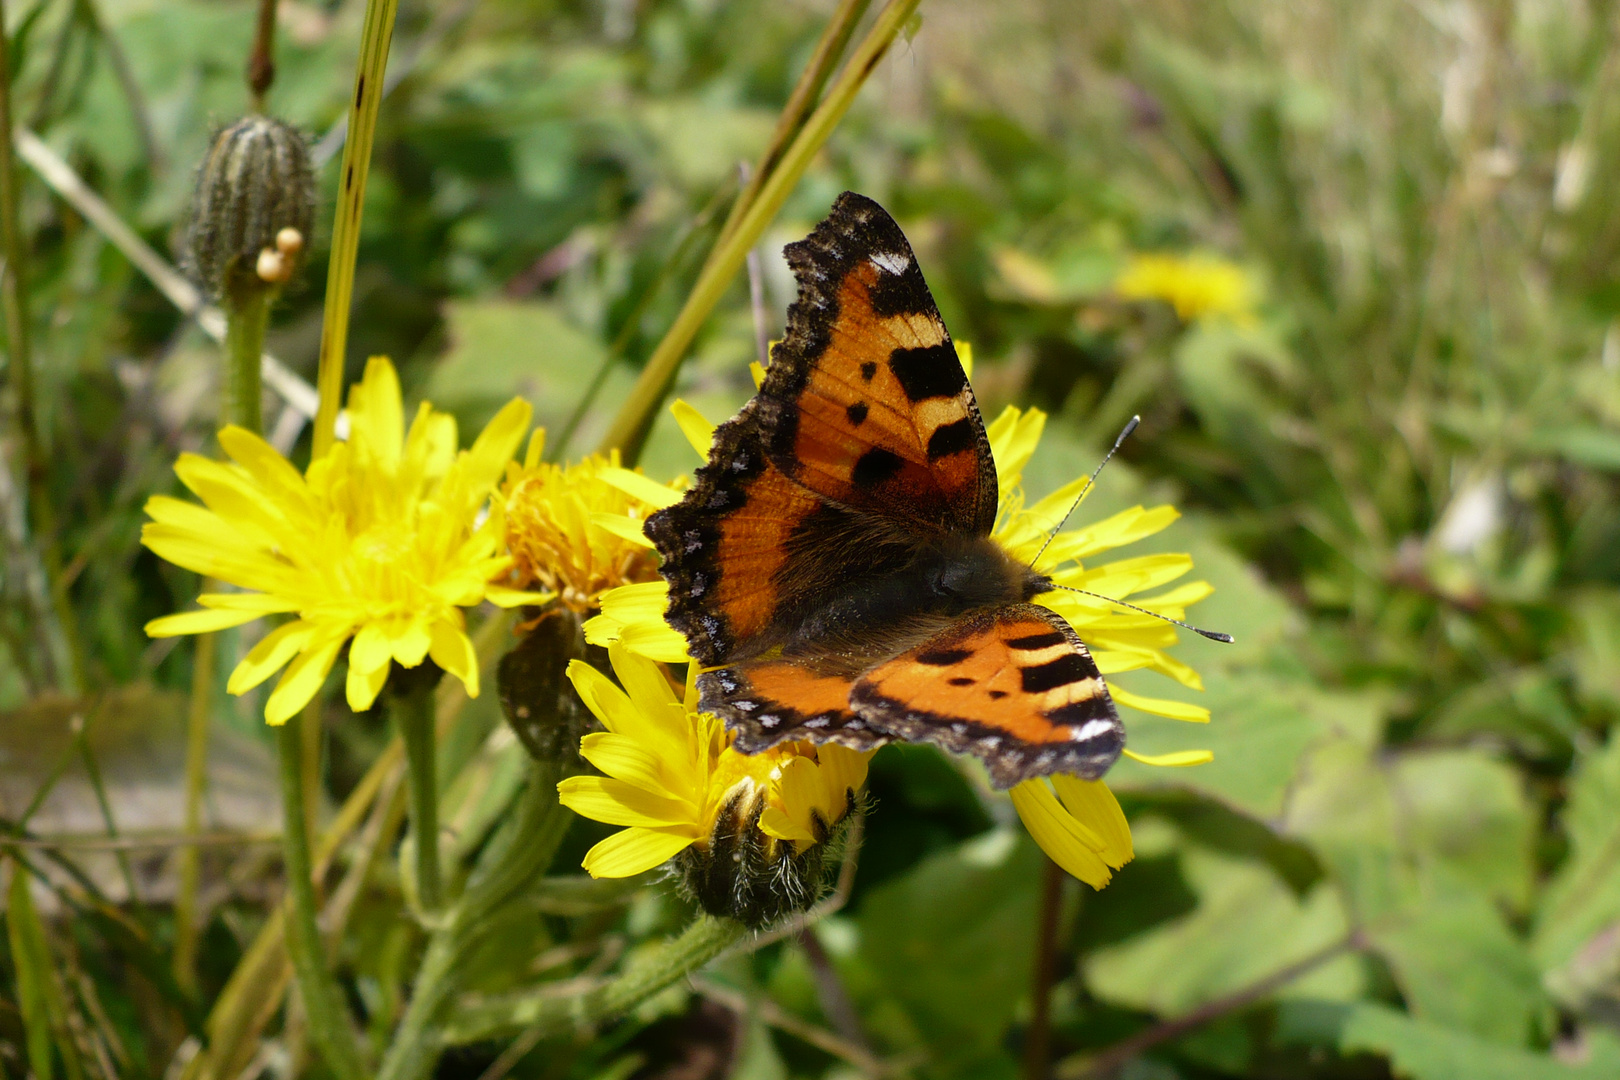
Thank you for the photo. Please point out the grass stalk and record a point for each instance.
(56, 625)
(823, 62)
(190, 868)
(328, 1015)
(375, 36)
(635, 419)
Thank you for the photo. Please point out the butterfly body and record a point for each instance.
(832, 566)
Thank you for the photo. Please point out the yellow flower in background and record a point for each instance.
(570, 531)
(1196, 285)
(674, 782)
(380, 541)
(1077, 822)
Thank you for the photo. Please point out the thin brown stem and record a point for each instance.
(830, 991)
(1038, 1039)
(769, 1012)
(261, 65)
(1106, 1061)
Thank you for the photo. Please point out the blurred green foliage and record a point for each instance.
(1401, 475)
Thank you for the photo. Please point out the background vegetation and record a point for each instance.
(1400, 472)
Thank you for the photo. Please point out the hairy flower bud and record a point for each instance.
(252, 209)
(746, 874)
(539, 702)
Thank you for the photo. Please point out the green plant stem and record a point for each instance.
(247, 313)
(185, 903)
(58, 631)
(629, 431)
(706, 938)
(520, 853)
(369, 87)
(328, 1016)
(829, 49)
(411, 706)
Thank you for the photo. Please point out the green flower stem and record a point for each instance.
(629, 431)
(520, 853)
(375, 36)
(327, 1014)
(247, 313)
(549, 1016)
(410, 703)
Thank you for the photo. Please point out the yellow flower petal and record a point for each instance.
(775, 822)
(496, 444)
(1067, 841)
(410, 640)
(362, 687)
(1179, 759)
(641, 487)
(618, 803)
(205, 621)
(698, 431)
(452, 650)
(624, 758)
(269, 656)
(377, 413)
(1175, 710)
(301, 681)
(634, 851)
(1090, 801)
(502, 597)
(371, 649)
(258, 603)
(625, 528)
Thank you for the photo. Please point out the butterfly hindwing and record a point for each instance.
(865, 401)
(1013, 685)
(771, 701)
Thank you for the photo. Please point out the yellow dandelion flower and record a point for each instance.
(574, 531)
(1196, 285)
(1077, 822)
(678, 787)
(379, 542)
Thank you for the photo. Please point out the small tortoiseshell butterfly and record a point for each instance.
(832, 568)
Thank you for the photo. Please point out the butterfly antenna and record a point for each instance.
(1090, 480)
(1213, 635)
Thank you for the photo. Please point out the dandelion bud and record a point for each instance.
(253, 206)
(536, 696)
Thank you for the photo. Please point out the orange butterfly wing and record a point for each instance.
(1014, 686)
(865, 401)
(772, 701)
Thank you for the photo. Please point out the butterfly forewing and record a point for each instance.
(1012, 685)
(865, 401)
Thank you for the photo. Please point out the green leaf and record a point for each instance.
(1420, 1050)
(1459, 965)
(952, 941)
(502, 348)
(1581, 444)
(1248, 925)
(1575, 931)
(1469, 811)
(1259, 729)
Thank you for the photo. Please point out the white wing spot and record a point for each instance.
(890, 262)
(1091, 729)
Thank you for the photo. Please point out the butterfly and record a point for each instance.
(831, 566)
